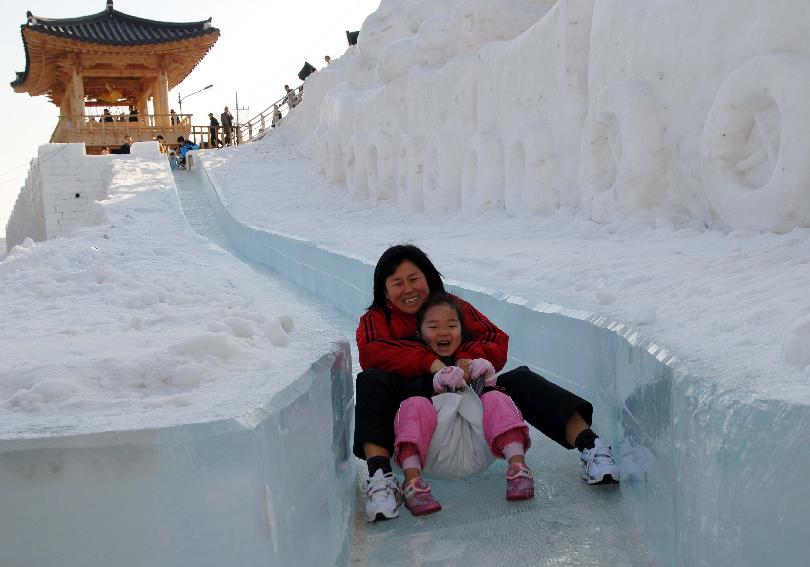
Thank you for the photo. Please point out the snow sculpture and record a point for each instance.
(382, 27)
(474, 23)
(409, 179)
(333, 158)
(442, 178)
(529, 163)
(320, 151)
(622, 153)
(587, 101)
(396, 58)
(431, 41)
(754, 151)
(380, 166)
(356, 178)
(424, 10)
(482, 181)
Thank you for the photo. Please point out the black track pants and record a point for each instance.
(545, 405)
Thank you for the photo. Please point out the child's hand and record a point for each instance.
(482, 367)
(449, 378)
(464, 364)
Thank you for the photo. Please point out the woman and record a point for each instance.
(397, 366)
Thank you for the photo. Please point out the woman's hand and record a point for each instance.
(436, 366)
(464, 364)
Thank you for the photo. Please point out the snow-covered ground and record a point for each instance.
(732, 305)
(141, 321)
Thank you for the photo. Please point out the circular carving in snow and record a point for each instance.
(482, 180)
(380, 166)
(754, 151)
(529, 170)
(622, 153)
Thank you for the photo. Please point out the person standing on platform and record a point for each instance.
(212, 131)
(226, 121)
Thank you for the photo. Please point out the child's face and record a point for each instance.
(441, 330)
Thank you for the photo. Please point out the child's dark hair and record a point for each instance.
(390, 261)
(442, 298)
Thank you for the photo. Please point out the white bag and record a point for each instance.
(458, 448)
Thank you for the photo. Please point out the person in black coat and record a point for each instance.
(212, 131)
(226, 120)
(124, 149)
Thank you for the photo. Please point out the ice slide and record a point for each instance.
(567, 523)
(713, 476)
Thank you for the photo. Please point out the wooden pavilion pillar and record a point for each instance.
(76, 88)
(161, 98)
(143, 108)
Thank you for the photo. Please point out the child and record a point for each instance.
(441, 327)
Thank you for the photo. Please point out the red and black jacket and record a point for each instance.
(389, 342)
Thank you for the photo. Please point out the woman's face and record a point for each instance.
(407, 288)
(441, 330)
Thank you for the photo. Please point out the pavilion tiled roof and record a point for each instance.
(112, 27)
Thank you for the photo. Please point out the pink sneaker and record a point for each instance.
(418, 498)
(519, 482)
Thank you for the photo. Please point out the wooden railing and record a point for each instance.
(111, 131)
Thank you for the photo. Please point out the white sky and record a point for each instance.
(262, 46)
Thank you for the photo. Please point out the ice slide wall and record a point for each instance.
(700, 465)
(670, 110)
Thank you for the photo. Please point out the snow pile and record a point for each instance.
(141, 321)
(650, 109)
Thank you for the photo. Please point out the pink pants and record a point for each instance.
(416, 421)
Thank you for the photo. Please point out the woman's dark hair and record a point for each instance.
(442, 299)
(390, 261)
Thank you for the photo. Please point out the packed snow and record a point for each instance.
(140, 320)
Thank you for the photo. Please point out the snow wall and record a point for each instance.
(674, 112)
(60, 193)
(701, 466)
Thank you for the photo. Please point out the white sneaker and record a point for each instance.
(384, 496)
(598, 466)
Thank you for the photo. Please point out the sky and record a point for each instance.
(262, 46)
